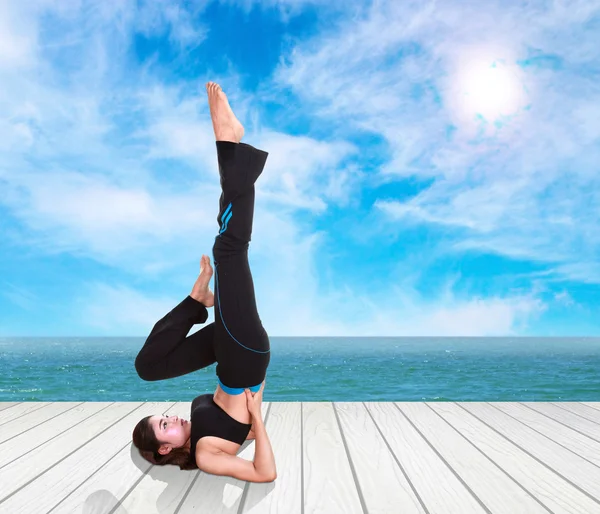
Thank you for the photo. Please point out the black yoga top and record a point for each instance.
(209, 419)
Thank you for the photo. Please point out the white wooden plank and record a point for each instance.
(584, 411)
(384, 487)
(571, 419)
(32, 419)
(576, 442)
(328, 482)
(100, 492)
(554, 492)
(16, 411)
(157, 488)
(593, 405)
(99, 474)
(6, 405)
(219, 494)
(64, 416)
(61, 464)
(285, 494)
(494, 488)
(435, 483)
(563, 461)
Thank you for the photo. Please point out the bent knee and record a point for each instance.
(144, 371)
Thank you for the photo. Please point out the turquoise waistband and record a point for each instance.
(238, 390)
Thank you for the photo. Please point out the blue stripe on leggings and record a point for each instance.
(221, 313)
(238, 390)
(226, 222)
(226, 211)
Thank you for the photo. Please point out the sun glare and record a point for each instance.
(485, 88)
(490, 91)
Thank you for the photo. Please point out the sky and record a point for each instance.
(433, 167)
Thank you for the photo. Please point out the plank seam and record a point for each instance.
(590, 406)
(40, 424)
(352, 469)
(575, 413)
(59, 461)
(186, 494)
(528, 453)
(489, 458)
(483, 506)
(58, 435)
(26, 413)
(5, 407)
(549, 438)
(414, 490)
(81, 484)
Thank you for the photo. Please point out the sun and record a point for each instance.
(484, 88)
(491, 91)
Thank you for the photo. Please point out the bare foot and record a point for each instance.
(226, 126)
(201, 292)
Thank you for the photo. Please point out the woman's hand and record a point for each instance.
(254, 401)
(252, 405)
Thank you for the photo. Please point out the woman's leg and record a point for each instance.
(241, 343)
(168, 353)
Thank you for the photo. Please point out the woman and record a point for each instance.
(237, 341)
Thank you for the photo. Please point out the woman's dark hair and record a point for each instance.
(146, 442)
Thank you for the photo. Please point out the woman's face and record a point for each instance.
(171, 431)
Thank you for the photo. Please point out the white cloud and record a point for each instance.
(288, 304)
(18, 36)
(129, 228)
(120, 310)
(565, 298)
(506, 188)
(82, 148)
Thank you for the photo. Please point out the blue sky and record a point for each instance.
(433, 167)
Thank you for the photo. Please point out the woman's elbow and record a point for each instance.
(272, 477)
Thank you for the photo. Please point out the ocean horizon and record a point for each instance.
(49, 369)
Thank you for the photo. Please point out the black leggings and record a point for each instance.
(236, 340)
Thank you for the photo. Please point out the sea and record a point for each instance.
(317, 369)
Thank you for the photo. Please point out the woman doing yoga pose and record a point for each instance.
(236, 340)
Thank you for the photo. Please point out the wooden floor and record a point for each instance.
(373, 457)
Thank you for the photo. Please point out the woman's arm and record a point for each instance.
(264, 460)
(223, 464)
